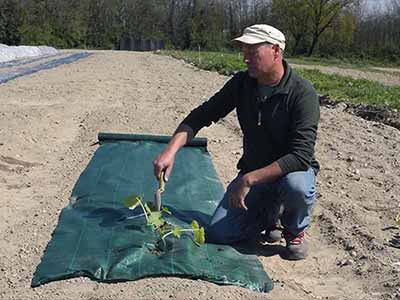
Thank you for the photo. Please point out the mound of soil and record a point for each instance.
(383, 115)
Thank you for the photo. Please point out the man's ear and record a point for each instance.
(277, 50)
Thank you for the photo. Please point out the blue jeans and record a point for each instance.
(295, 191)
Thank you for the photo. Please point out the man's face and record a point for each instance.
(260, 58)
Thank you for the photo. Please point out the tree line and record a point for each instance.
(322, 27)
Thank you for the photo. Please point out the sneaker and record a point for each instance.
(273, 235)
(296, 247)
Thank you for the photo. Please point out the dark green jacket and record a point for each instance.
(283, 128)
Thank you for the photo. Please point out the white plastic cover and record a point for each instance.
(8, 53)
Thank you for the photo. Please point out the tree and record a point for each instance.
(207, 25)
(323, 14)
(378, 33)
(10, 20)
(293, 16)
(102, 24)
(339, 38)
(36, 28)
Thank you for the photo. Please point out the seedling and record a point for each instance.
(398, 219)
(165, 229)
(198, 232)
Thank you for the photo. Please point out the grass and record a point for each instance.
(345, 62)
(336, 87)
(221, 62)
(347, 89)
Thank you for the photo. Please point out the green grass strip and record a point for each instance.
(336, 87)
(344, 88)
(343, 62)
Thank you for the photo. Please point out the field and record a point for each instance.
(340, 82)
(50, 120)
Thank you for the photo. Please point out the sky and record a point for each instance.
(376, 4)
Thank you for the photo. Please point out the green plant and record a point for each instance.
(155, 220)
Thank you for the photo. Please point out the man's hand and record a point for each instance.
(164, 163)
(242, 187)
(239, 193)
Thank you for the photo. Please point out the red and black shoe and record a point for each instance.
(296, 246)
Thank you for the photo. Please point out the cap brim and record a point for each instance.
(250, 40)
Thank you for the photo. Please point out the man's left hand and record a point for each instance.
(238, 195)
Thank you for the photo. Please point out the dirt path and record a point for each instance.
(386, 76)
(389, 70)
(49, 120)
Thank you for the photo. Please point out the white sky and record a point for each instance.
(377, 4)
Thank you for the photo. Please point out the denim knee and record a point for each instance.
(215, 234)
(297, 194)
(297, 189)
(220, 233)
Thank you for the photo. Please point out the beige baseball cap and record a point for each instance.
(261, 33)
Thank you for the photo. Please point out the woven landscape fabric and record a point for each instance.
(99, 238)
(54, 63)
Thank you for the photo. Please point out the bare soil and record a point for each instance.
(49, 120)
(389, 70)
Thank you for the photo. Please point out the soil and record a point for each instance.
(389, 70)
(383, 115)
(50, 120)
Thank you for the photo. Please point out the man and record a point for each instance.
(278, 113)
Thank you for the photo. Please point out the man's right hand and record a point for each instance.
(164, 162)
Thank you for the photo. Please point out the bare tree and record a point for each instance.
(322, 14)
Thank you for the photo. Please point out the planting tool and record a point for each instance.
(157, 194)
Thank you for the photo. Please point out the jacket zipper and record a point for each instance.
(259, 118)
(260, 101)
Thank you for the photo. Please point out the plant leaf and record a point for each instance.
(150, 206)
(132, 201)
(199, 236)
(165, 228)
(155, 219)
(166, 210)
(195, 225)
(398, 219)
(177, 231)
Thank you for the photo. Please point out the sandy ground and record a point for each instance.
(49, 120)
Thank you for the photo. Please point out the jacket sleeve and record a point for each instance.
(303, 132)
(217, 107)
